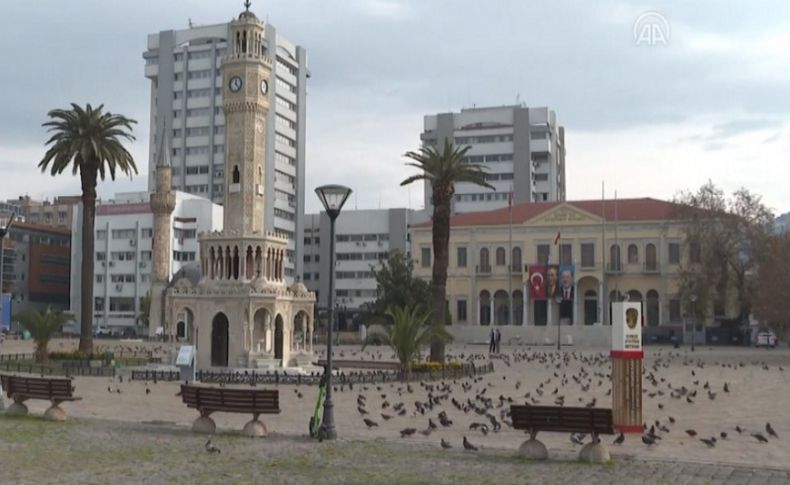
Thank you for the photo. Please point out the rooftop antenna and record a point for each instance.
(189, 21)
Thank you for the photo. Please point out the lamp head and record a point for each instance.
(333, 197)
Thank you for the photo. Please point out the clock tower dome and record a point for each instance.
(245, 93)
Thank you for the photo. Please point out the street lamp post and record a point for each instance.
(332, 197)
(693, 320)
(3, 232)
(558, 299)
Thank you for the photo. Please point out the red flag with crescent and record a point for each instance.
(537, 282)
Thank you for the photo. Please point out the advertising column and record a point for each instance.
(627, 356)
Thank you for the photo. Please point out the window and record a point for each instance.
(101, 256)
(516, 260)
(543, 254)
(566, 254)
(614, 257)
(121, 304)
(588, 255)
(485, 263)
(99, 278)
(146, 232)
(674, 310)
(460, 256)
(651, 261)
(98, 303)
(183, 256)
(145, 255)
(537, 135)
(461, 311)
(541, 177)
(674, 253)
(124, 233)
(500, 256)
(101, 235)
(633, 254)
(425, 257)
(122, 255)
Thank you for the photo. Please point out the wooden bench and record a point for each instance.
(208, 400)
(593, 421)
(22, 388)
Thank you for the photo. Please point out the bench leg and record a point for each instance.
(55, 412)
(17, 408)
(533, 449)
(204, 424)
(255, 428)
(595, 451)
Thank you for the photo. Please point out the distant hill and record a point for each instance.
(782, 223)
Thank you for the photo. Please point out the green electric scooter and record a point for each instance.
(316, 425)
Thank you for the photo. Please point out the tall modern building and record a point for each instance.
(187, 119)
(362, 239)
(521, 148)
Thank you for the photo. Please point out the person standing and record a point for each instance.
(491, 341)
(498, 340)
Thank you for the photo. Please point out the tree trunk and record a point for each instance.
(441, 240)
(88, 221)
(41, 352)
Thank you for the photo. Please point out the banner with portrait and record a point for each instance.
(537, 282)
(567, 281)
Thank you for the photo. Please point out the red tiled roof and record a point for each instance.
(644, 209)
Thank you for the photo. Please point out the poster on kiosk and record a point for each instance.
(626, 328)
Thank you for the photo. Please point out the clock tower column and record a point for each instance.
(245, 78)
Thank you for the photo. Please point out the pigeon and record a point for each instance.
(648, 439)
(738, 429)
(385, 417)
(469, 446)
(691, 432)
(431, 424)
(710, 442)
(407, 432)
(370, 423)
(770, 430)
(759, 437)
(211, 448)
(361, 410)
(147, 391)
(723, 435)
(446, 445)
(619, 440)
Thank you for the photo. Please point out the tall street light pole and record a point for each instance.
(332, 197)
(558, 299)
(693, 321)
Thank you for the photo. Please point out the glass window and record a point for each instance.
(461, 256)
(566, 254)
(633, 254)
(588, 255)
(543, 254)
(674, 253)
(500, 256)
(425, 257)
(461, 311)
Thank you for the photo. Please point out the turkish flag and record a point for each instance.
(537, 282)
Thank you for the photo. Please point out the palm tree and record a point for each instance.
(89, 142)
(442, 169)
(42, 326)
(407, 334)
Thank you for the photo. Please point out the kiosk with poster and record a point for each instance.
(627, 356)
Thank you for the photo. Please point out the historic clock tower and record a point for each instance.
(245, 93)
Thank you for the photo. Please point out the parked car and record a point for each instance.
(766, 339)
(101, 331)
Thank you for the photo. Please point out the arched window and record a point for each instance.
(500, 256)
(515, 260)
(614, 257)
(590, 307)
(236, 174)
(485, 308)
(651, 262)
(633, 254)
(485, 264)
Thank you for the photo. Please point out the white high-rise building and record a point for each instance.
(186, 106)
(123, 263)
(522, 149)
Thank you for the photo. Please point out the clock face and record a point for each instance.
(235, 83)
(264, 87)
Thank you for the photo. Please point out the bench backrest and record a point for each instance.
(231, 400)
(562, 419)
(36, 387)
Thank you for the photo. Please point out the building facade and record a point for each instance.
(124, 246)
(58, 213)
(522, 150)
(236, 308)
(613, 250)
(362, 239)
(185, 70)
(36, 260)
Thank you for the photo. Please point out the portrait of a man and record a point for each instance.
(552, 281)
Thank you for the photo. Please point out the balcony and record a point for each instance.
(483, 269)
(650, 267)
(517, 269)
(614, 267)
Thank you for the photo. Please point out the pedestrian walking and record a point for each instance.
(491, 341)
(498, 340)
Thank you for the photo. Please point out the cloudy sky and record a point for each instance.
(711, 103)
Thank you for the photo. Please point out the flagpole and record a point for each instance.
(510, 258)
(619, 251)
(604, 288)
